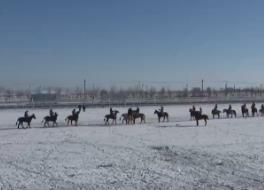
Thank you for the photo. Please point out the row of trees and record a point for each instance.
(136, 92)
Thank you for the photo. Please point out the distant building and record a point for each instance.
(41, 97)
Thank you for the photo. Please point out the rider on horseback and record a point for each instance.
(253, 106)
(73, 112)
(193, 108)
(161, 109)
(215, 108)
(137, 110)
(201, 111)
(51, 113)
(26, 114)
(230, 107)
(111, 111)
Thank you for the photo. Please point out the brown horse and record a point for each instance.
(74, 117)
(198, 116)
(52, 119)
(112, 116)
(163, 115)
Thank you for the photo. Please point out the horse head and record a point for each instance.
(33, 116)
(156, 112)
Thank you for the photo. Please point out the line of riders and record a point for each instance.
(198, 115)
(52, 117)
(129, 118)
(132, 115)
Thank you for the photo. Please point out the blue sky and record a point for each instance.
(113, 42)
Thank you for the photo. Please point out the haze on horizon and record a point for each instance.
(119, 42)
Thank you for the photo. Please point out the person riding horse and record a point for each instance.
(26, 114)
(73, 112)
(253, 109)
(215, 108)
(111, 111)
(193, 108)
(161, 109)
(51, 113)
(262, 110)
(230, 107)
(244, 110)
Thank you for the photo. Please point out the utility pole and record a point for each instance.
(225, 88)
(202, 87)
(84, 88)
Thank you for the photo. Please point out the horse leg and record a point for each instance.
(197, 122)
(205, 121)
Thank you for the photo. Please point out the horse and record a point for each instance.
(27, 120)
(160, 114)
(198, 116)
(261, 111)
(52, 119)
(229, 112)
(244, 111)
(254, 111)
(112, 116)
(124, 118)
(74, 117)
(138, 115)
(216, 112)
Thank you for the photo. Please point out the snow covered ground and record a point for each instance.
(226, 154)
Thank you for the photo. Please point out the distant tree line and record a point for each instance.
(122, 94)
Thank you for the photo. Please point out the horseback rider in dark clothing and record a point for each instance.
(201, 111)
(51, 113)
(84, 108)
(253, 106)
(262, 107)
(26, 114)
(111, 111)
(73, 112)
(230, 107)
(161, 109)
(137, 110)
(215, 108)
(193, 108)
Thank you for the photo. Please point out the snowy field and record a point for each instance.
(226, 154)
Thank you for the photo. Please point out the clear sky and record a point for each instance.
(62, 42)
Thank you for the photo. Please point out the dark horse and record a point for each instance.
(52, 119)
(27, 120)
(124, 118)
(244, 111)
(198, 116)
(216, 112)
(261, 110)
(112, 116)
(254, 111)
(229, 113)
(74, 117)
(163, 115)
(137, 115)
